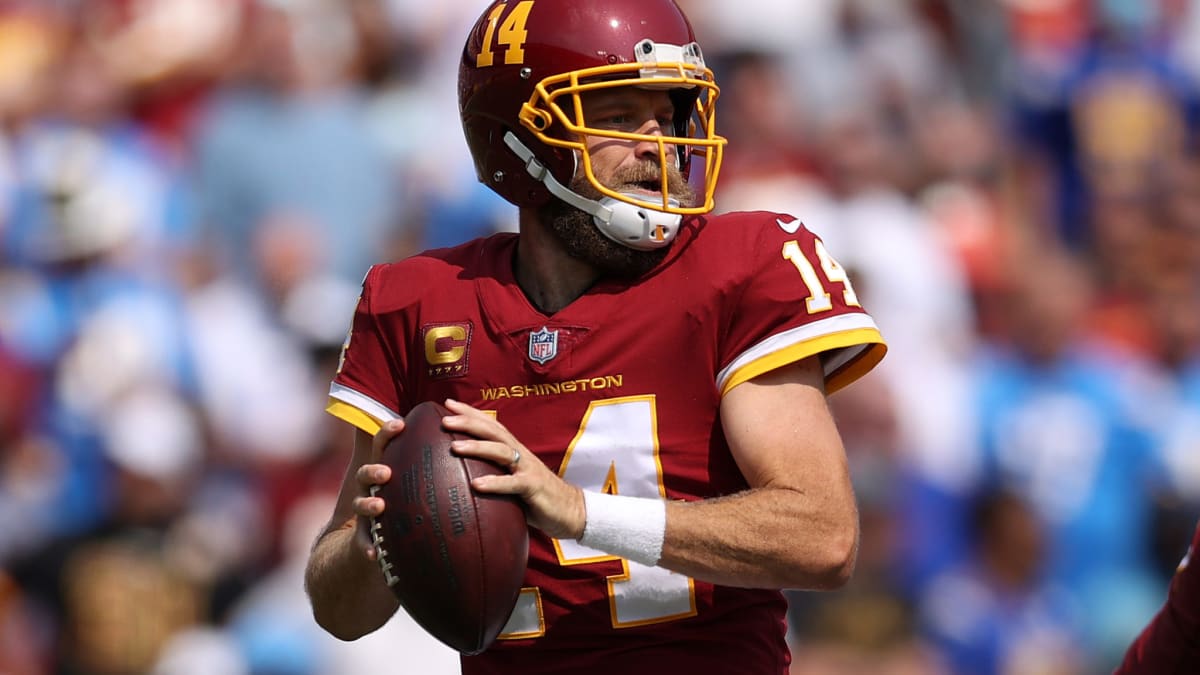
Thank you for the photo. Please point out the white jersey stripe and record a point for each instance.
(359, 401)
(798, 335)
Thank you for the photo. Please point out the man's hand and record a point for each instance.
(366, 475)
(345, 586)
(553, 505)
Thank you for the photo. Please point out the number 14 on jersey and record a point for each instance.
(819, 299)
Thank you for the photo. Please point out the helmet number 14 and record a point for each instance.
(512, 35)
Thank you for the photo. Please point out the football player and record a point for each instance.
(654, 378)
(1170, 643)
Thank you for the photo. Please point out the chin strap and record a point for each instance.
(634, 226)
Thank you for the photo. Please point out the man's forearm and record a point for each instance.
(348, 593)
(763, 538)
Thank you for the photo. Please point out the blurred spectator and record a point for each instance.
(903, 266)
(1101, 109)
(995, 613)
(170, 55)
(769, 127)
(444, 202)
(1061, 426)
(284, 139)
(870, 626)
(113, 596)
(965, 194)
(272, 376)
(80, 160)
(95, 313)
(871, 635)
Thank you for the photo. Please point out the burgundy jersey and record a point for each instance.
(1170, 643)
(619, 391)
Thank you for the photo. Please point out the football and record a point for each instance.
(454, 558)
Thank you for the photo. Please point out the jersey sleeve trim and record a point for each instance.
(854, 339)
(859, 360)
(358, 409)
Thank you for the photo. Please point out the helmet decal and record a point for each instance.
(512, 34)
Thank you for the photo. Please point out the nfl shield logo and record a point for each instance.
(543, 345)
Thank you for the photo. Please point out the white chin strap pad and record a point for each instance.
(633, 226)
(636, 227)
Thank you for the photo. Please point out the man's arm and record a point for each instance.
(1170, 643)
(345, 585)
(797, 527)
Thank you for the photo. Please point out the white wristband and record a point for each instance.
(629, 527)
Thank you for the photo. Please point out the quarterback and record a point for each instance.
(653, 377)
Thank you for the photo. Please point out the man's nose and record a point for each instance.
(652, 149)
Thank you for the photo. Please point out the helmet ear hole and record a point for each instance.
(535, 118)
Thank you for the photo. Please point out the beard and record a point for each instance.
(583, 240)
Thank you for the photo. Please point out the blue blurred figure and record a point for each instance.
(288, 135)
(1103, 119)
(1060, 424)
(995, 613)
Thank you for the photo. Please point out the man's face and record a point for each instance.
(626, 166)
(630, 165)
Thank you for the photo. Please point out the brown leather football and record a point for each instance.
(455, 558)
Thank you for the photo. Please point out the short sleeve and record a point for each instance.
(796, 301)
(363, 392)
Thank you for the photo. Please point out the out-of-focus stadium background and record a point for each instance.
(191, 191)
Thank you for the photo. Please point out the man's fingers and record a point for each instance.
(368, 506)
(373, 474)
(500, 454)
(499, 484)
(362, 541)
(387, 432)
(475, 422)
(458, 406)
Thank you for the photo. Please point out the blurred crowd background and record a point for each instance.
(192, 190)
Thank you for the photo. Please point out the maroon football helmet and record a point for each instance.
(523, 68)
